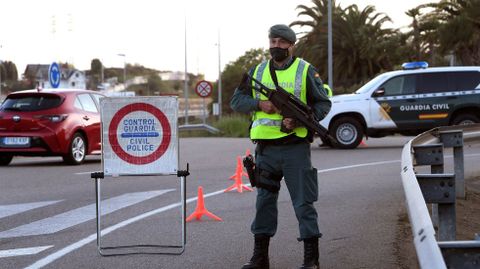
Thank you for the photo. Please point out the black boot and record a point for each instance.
(259, 259)
(310, 254)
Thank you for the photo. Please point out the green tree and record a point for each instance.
(9, 75)
(313, 45)
(155, 84)
(96, 67)
(233, 72)
(453, 27)
(361, 43)
(3, 73)
(414, 13)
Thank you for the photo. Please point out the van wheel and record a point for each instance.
(5, 160)
(76, 150)
(465, 119)
(348, 133)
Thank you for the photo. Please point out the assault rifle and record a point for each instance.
(290, 107)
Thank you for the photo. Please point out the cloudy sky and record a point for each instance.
(151, 33)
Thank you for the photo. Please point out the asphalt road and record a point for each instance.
(47, 214)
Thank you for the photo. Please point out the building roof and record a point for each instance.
(40, 71)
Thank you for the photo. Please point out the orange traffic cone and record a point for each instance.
(363, 144)
(200, 210)
(239, 168)
(238, 178)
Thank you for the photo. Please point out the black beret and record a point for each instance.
(283, 31)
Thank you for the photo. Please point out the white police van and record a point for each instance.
(406, 102)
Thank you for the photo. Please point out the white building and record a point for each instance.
(177, 75)
(69, 79)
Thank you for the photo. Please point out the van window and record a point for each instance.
(463, 81)
(399, 85)
(432, 82)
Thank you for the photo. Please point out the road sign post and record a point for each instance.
(139, 138)
(204, 90)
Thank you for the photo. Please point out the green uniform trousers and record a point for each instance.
(294, 163)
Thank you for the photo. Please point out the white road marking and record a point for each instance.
(379, 163)
(73, 217)
(22, 251)
(83, 173)
(56, 255)
(8, 210)
(356, 165)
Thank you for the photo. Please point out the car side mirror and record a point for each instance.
(379, 92)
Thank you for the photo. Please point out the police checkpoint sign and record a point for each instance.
(139, 135)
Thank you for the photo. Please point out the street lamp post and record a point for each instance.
(124, 69)
(219, 80)
(330, 46)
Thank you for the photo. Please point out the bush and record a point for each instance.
(234, 125)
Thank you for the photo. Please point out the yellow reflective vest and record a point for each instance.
(293, 79)
(328, 90)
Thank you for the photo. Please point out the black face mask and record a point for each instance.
(279, 54)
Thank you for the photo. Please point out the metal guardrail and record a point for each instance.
(441, 190)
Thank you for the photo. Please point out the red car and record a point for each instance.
(50, 122)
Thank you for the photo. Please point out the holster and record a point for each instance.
(249, 165)
(261, 178)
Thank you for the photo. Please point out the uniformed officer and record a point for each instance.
(283, 154)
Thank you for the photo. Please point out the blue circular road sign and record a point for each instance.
(54, 75)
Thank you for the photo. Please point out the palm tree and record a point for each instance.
(313, 45)
(415, 13)
(360, 42)
(456, 30)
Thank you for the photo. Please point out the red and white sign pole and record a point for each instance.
(204, 89)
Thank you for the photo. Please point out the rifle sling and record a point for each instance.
(273, 74)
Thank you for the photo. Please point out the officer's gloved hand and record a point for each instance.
(267, 107)
(290, 123)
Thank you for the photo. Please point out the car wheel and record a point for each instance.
(465, 119)
(5, 160)
(77, 150)
(347, 132)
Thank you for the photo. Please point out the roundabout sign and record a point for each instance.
(139, 135)
(54, 75)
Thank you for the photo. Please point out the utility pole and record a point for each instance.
(102, 75)
(124, 69)
(219, 80)
(330, 46)
(186, 76)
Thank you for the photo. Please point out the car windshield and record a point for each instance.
(31, 102)
(366, 88)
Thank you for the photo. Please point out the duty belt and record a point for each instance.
(287, 140)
